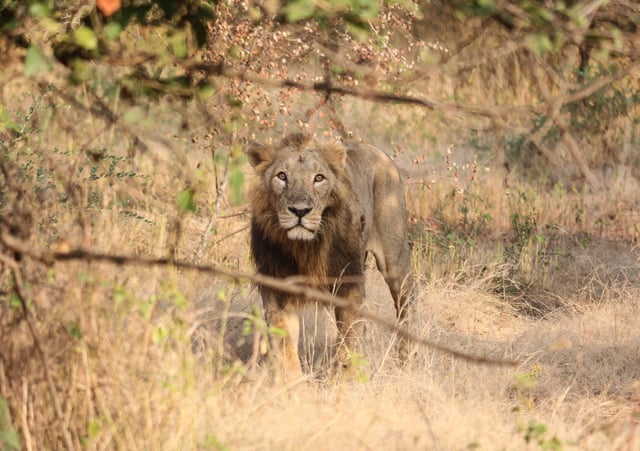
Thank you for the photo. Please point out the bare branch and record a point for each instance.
(97, 108)
(574, 150)
(287, 285)
(328, 88)
(492, 111)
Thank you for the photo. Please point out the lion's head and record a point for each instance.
(299, 184)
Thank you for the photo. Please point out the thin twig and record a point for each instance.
(220, 189)
(229, 235)
(243, 212)
(99, 109)
(19, 292)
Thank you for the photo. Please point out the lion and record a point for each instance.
(317, 210)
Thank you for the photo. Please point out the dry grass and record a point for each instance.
(156, 358)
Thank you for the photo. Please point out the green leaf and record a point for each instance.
(6, 121)
(278, 332)
(75, 331)
(186, 201)
(235, 51)
(93, 428)
(236, 182)
(82, 70)
(112, 30)
(159, 334)
(205, 90)
(212, 442)
(618, 38)
(86, 38)
(487, 5)
(133, 116)
(9, 437)
(35, 62)
(540, 43)
(4, 413)
(178, 42)
(40, 9)
(298, 10)
(14, 301)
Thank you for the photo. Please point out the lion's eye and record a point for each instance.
(318, 178)
(282, 176)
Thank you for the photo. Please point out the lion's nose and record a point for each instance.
(299, 212)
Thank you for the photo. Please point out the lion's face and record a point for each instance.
(299, 184)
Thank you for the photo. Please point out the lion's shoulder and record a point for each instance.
(373, 175)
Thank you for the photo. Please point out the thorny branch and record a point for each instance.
(288, 285)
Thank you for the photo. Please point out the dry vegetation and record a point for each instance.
(518, 258)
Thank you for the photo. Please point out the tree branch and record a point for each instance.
(288, 285)
(491, 111)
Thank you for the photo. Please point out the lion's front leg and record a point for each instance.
(284, 317)
(403, 298)
(350, 326)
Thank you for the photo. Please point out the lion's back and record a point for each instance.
(379, 195)
(377, 184)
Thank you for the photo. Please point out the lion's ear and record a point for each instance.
(260, 156)
(336, 156)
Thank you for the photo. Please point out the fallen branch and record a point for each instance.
(288, 285)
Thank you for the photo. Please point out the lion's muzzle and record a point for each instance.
(300, 222)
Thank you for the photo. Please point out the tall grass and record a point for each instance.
(152, 357)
